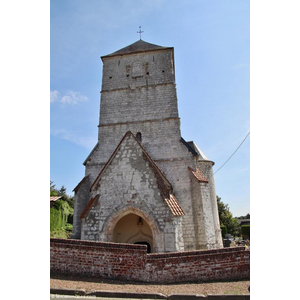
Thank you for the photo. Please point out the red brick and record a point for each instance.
(103, 259)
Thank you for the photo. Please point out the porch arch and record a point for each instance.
(108, 228)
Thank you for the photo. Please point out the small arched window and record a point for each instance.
(139, 137)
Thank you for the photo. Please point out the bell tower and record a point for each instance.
(140, 149)
(138, 94)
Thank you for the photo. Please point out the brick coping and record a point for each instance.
(144, 248)
(97, 244)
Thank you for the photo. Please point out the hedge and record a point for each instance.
(60, 214)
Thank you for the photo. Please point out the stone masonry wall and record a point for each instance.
(139, 104)
(131, 262)
(82, 196)
(139, 69)
(178, 174)
(206, 168)
(161, 139)
(129, 181)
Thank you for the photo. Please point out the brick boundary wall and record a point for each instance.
(131, 262)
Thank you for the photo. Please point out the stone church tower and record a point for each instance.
(143, 182)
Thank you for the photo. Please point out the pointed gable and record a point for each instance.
(163, 184)
(109, 161)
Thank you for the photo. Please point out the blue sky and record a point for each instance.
(211, 41)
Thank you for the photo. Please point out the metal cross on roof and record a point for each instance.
(140, 32)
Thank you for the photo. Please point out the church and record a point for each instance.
(143, 183)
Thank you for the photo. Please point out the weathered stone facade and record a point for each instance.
(141, 168)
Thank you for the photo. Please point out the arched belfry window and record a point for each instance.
(139, 137)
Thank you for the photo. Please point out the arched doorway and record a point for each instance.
(145, 243)
(133, 229)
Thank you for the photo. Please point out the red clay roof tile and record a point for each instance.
(174, 206)
(54, 198)
(198, 175)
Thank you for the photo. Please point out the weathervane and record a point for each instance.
(140, 32)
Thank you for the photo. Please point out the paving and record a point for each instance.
(68, 294)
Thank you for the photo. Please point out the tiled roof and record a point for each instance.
(139, 46)
(174, 206)
(89, 205)
(198, 175)
(54, 198)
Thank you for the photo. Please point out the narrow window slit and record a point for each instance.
(139, 137)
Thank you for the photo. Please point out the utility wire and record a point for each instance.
(233, 153)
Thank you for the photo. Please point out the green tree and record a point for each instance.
(244, 217)
(65, 197)
(226, 218)
(61, 192)
(53, 190)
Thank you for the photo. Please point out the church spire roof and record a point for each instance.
(139, 46)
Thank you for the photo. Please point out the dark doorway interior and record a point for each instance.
(145, 243)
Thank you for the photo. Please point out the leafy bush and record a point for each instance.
(60, 213)
(226, 218)
(62, 233)
(56, 219)
(70, 219)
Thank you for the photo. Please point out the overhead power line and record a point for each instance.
(233, 153)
